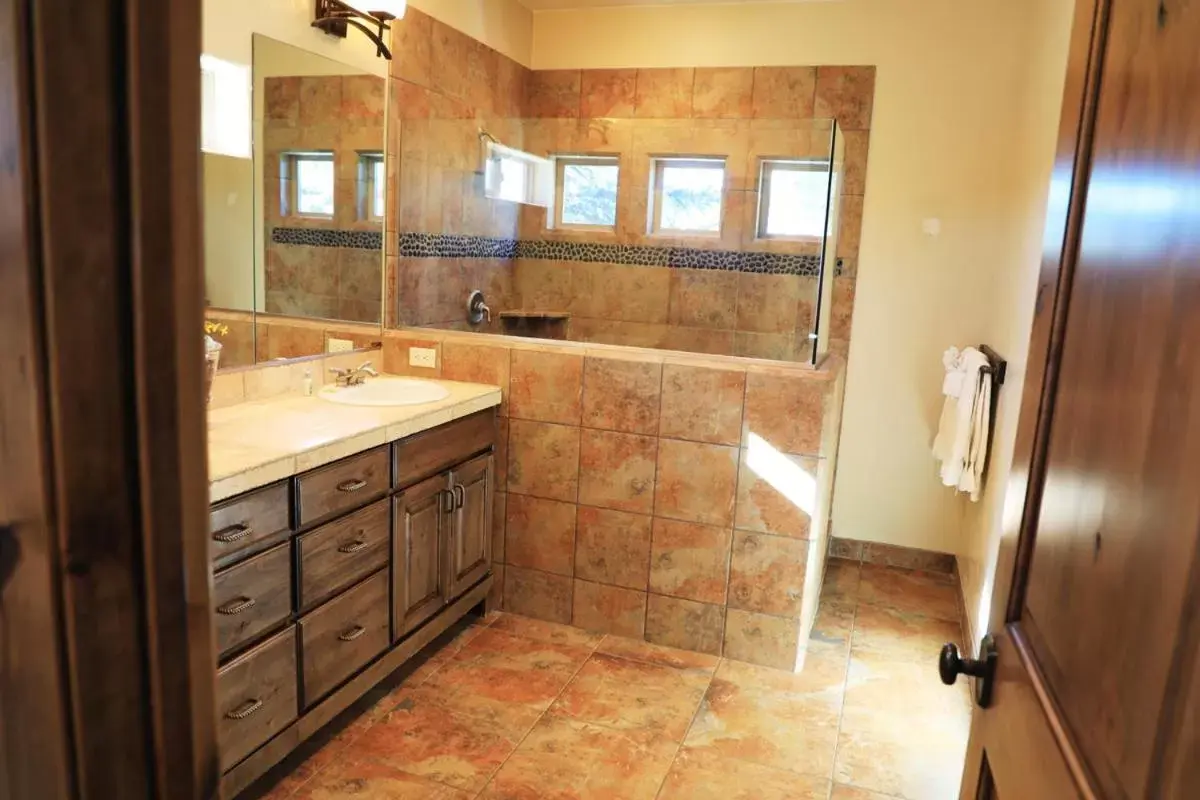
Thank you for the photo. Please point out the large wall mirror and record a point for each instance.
(294, 191)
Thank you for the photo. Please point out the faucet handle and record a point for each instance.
(368, 368)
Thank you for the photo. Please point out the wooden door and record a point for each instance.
(470, 545)
(106, 648)
(422, 517)
(1097, 692)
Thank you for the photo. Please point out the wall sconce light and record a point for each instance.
(335, 18)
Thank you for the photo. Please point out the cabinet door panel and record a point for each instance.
(470, 545)
(421, 521)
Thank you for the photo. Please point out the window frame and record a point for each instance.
(368, 162)
(289, 180)
(659, 165)
(561, 162)
(766, 169)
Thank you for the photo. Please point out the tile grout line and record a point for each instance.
(695, 716)
(845, 683)
(540, 717)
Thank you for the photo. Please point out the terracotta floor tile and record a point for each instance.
(633, 695)
(566, 759)
(833, 628)
(841, 581)
(700, 775)
(658, 654)
(914, 638)
(543, 631)
(425, 739)
(930, 594)
(496, 667)
(777, 719)
(317, 754)
(370, 780)
(843, 792)
(903, 733)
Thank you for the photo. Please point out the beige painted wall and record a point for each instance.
(505, 25)
(961, 133)
(984, 522)
(228, 231)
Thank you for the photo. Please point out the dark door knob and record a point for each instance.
(951, 665)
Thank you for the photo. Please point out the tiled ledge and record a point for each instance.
(828, 369)
(256, 443)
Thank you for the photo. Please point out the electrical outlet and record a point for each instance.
(339, 346)
(422, 357)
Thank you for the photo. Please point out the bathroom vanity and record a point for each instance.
(327, 580)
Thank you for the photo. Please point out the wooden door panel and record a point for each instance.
(1112, 565)
(421, 521)
(470, 551)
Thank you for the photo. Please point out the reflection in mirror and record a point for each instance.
(294, 205)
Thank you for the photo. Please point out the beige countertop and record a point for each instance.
(256, 443)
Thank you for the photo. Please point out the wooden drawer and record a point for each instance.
(339, 487)
(342, 552)
(343, 636)
(248, 522)
(432, 451)
(256, 697)
(252, 597)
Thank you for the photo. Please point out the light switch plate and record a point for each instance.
(422, 357)
(339, 345)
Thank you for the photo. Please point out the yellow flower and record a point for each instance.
(215, 328)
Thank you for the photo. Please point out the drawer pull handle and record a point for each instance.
(237, 606)
(352, 634)
(353, 547)
(233, 533)
(448, 506)
(245, 710)
(352, 486)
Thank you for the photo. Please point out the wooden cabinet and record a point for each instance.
(256, 697)
(342, 486)
(344, 635)
(422, 518)
(248, 524)
(252, 598)
(341, 552)
(470, 535)
(327, 582)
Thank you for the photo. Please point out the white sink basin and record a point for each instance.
(386, 392)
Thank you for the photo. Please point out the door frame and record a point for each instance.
(1027, 691)
(101, 288)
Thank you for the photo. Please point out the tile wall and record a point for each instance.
(447, 86)
(315, 267)
(272, 381)
(282, 336)
(672, 498)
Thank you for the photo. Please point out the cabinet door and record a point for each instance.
(422, 522)
(470, 546)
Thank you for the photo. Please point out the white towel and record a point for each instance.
(961, 442)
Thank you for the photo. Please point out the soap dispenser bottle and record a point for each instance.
(308, 383)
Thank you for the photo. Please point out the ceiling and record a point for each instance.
(547, 5)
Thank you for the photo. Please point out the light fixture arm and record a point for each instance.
(334, 18)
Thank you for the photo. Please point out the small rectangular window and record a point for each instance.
(372, 186)
(688, 195)
(793, 199)
(307, 184)
(585, 192)
(517, 176)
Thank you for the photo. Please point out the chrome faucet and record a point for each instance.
(353, 376)
(477, 309)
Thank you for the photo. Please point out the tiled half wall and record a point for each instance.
(662, 496)
(446, 86)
